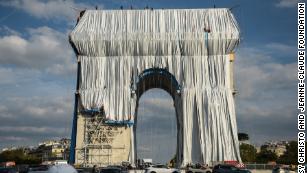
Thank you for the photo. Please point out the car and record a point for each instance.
(113, 169)
(38, 169)
(223, 168)
(65, 168)
(83, 170)
(8, 170)
(161, 169)
(279, 169)
(199, 170)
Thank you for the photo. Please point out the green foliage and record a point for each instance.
(248, 153)
(290, 156)
(172, 162)
(263, 147)
(265, 156)
(19, 157)
(243, 137)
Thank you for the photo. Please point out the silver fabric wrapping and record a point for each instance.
(115, 46)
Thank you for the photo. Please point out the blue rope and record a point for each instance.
(90, 111)
(122, 122)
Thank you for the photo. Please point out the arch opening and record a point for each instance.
(158, 79)
(156, 126)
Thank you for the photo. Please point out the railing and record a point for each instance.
(259, 166)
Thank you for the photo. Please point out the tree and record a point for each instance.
(248, 153)
(19, 157)
(243, 136)
(172, 162)
(290, 156)
(264, 147)
(265, 156)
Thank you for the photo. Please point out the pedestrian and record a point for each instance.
(94, 169)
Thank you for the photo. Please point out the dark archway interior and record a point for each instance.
(157, 78)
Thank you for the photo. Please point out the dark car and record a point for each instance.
(84, 170)
(112, 170)
(228, 169)
(38, 168)
(8, 170)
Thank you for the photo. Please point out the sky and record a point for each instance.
(38, 72)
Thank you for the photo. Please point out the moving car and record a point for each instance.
(114, 169)
(8, 170)
(279, 169)
(198, 170)
(222, 168)
(161, 169)
(84, 170)
(38, 169)
(111, 170)
(59, 168)
(62, 168)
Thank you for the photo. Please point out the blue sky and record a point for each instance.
(38, 70)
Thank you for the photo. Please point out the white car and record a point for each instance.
(282, 170)
(198, 170)
(161, 169)
(60, 168)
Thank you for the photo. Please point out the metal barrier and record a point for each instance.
(259, 166)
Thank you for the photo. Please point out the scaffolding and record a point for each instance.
(97, 146)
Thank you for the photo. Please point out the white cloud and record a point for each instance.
(50, 9)
(45, 49)
(62, 69)
(41, 107)
(8, 31)
(287, 3)
(36, 111)
(14, 77)
(156, 102)
(35, 105)
(281, 48)
(257, 71)
(163, 103)
(267, 92)
(30, 129)
(12, 138)
(47, 111)
(34, 118)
